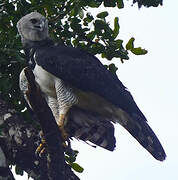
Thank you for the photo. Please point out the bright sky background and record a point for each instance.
(152, 80)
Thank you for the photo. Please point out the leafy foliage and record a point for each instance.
(136, 51)
(70, 157)
(19, 170)
(148, 3)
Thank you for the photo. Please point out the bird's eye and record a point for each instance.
(33, 21)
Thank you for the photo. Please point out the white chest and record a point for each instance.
(45, 80)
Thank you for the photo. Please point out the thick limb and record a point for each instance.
(61, 123)
(65, 100)
(58, 114)
(41, 148)
(53, 104)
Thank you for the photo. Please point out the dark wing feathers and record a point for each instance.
(87, 73)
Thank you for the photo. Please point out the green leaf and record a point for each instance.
(113, 68)
(136, 51)
(94, 4)
(119, 43)
(74, 11)
(109, 3)
(116, 27)
(76, 152)
(106, 66)
(139, 51)
(103, 55)
(70, 159)
(77, 167)
(99, 25)
(91, 35)
(120, 4)
(89, 17)
(18, 170)
(81, 14)
(130, 44)
(148, 3)
(102, 15)
(98, 47)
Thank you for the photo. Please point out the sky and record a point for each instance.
(152, 80)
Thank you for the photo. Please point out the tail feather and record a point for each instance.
(99, 130)
(142, 132)
(88, 126)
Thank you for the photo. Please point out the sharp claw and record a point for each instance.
(41, 148)
(42, 152)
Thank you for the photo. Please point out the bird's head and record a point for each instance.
(33, 27)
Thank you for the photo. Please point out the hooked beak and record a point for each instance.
(40, 26)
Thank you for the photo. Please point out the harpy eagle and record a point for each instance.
(81, 91)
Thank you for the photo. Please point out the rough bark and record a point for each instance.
(20, 139)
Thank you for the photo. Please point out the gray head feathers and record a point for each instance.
(33, 27)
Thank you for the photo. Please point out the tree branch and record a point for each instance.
(58, 169)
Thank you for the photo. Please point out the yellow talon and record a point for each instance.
(42, 151)
(41, 148)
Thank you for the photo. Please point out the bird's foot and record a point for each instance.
(41, 148)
